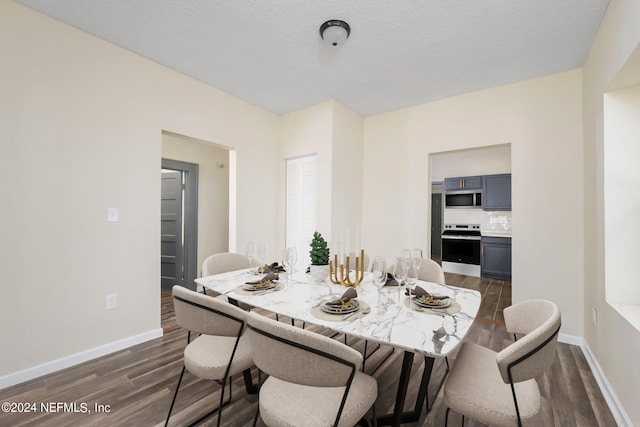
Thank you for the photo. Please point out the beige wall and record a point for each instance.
(486, 161)
(80, 129)
(541, 119)
(304, 132)
(614, 341)
(213, 190)
(335, 134)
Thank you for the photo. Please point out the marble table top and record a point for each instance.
(390, 321)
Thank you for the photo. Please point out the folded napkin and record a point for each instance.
(419, 292)
(268, 278)
(273, 268)
(345, 298)
(391, 281)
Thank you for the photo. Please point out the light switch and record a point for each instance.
(112, 215)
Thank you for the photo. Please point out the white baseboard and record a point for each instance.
(616, 408)
(75, 359)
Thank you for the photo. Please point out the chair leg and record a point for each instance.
(173, 401)
(255, 418)
(218, 409)
(221, 404)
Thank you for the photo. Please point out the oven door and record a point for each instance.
(461, 250)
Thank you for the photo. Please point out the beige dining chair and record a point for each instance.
(313, 380)
(223, 262)
(220, 351)
(367, 261)
(431, 271)
(499, 388)
(226, 261)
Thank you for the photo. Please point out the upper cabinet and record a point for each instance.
(496, 191)
(463, 183)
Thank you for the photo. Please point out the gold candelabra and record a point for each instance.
(339, 273)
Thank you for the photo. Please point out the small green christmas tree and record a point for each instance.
(319, 251)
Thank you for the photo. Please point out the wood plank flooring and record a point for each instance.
(137, 383)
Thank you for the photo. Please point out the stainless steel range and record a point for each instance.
(461, 249)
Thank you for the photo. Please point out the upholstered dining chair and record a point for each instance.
(223, 262)
(499, 388)
(226, 261)
(222, 349)
(313, 380)
(431, 271)
(367, 261)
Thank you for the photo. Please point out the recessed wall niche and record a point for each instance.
(622, 190)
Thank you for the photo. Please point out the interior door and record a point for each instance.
(171, 258)
(436, 224)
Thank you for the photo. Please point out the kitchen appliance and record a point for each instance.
(462, 199)
(461, 249)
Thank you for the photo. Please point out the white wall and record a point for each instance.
(346, 181)
(614, 341)
(484, 161)
(81, 125)
(304, 132)
(541, 119)
(213, 190)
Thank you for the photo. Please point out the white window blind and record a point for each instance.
(301, 205)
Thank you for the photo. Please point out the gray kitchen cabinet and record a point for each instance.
(463, 183)
(495, 258)
(496, 192)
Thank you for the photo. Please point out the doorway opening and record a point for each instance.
(178, 224)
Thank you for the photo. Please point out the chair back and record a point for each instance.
(534, 353)
(431, 271)
(226, 261)
(203, 314)
(367, 260)
(299, 356)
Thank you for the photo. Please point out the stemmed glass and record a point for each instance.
(412, 276)
(379, 273)
(262, 254)
(416, 261)
(400, 273)
(400, 270)
(289, 260)
(251, 252)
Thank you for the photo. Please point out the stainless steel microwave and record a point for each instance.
(463, 199)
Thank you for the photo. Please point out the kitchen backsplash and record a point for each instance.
(491, 222)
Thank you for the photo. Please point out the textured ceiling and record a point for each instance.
(400, 53)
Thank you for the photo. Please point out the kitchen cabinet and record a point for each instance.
(463, 183)
(495, 258)
(496, 192)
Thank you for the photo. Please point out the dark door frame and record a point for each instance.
(190, 219)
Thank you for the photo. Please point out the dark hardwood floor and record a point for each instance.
(137, 383)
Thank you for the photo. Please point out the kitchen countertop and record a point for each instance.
(495, 233)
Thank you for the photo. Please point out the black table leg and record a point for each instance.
(248, 382)
(399, 416)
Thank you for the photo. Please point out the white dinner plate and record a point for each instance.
(339, 310)
(444, 303)
(256, 287)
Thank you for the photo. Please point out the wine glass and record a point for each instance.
(261, 253)
(251, 252)
(400, 270)
(379, 273)
(289, 260)
(416, 257)
(411, 277)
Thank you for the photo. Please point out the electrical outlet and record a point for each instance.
(594, 316)
(112, 301)
(113, 215)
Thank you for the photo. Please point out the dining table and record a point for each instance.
(386, 316)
